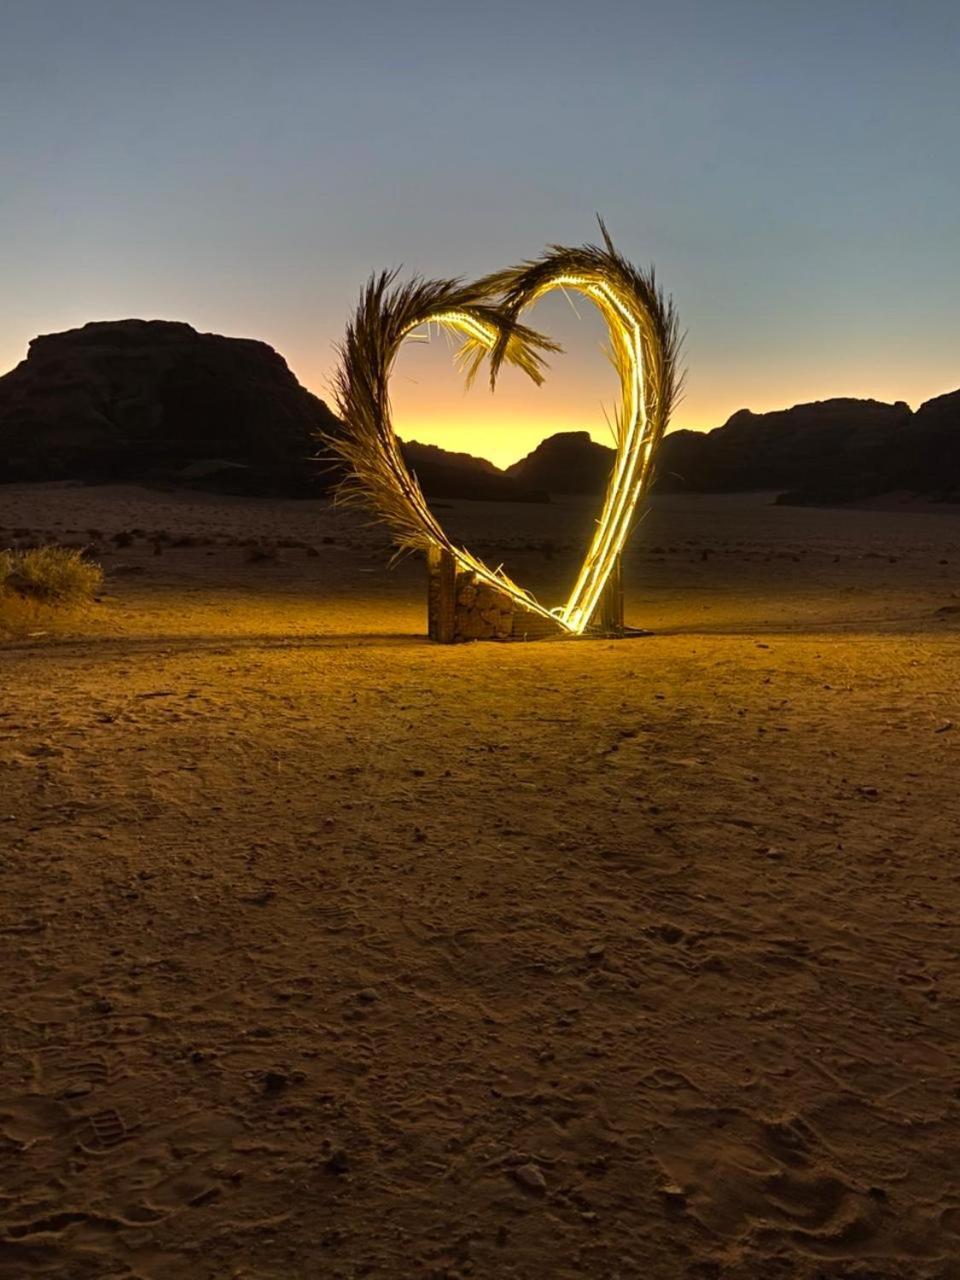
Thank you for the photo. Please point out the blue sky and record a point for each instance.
(791, 169)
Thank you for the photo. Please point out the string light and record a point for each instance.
(644, 346)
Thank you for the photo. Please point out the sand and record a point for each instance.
(330, 953)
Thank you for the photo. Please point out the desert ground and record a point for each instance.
(327, 952)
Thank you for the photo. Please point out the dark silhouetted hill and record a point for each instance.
(443, 474)
(828, 451)
(807, 445)
(156, 400)
(568, 462)
(930, 463)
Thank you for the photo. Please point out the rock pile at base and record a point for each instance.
(484, 613)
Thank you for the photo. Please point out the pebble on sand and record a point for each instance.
(529, 1176)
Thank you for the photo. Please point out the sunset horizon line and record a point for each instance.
(457, 426)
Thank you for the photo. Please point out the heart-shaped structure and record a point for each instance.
(644, 340)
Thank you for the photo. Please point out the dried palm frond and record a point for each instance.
(378, 476)
(519, 287)
(644, 341)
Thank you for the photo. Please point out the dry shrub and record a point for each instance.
(37, 584)
(54, 575)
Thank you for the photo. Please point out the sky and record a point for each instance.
(791, 169)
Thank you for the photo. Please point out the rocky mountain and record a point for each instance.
(807, 446)
(930, 463)
(568, 462)
(156, 400)
(828, 451)
(443, 474)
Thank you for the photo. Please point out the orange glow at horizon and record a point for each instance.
(503, 429)
(431, 405)
(508, 425)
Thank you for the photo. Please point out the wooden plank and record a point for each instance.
(441, 595)
(608, 617)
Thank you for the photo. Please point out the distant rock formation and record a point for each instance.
(829, 442)
(828, 451)
(931, 462)
(156, 400)
(568, 462)
(443, 474)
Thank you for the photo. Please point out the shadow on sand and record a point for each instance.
(200, 643)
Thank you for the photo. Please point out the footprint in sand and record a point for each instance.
(104, 1130)
(30, 1119)
(76, 1077)
(751, 1179)
(665, 1078)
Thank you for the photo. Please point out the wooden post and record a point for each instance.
(441, 595)
(608, 617)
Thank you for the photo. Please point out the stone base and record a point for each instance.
(463, 607)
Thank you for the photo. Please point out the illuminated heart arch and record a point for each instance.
(644, 341)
